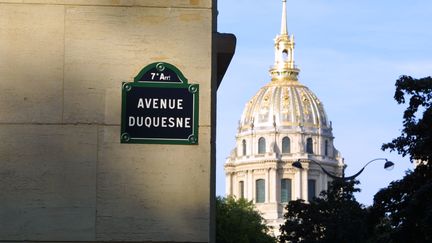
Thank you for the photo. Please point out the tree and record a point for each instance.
(404, 209)
(237, 221)
(402, 212)
(416, 137)
(335, 216)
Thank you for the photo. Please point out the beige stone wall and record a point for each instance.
(64, 176)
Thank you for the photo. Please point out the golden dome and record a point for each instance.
(283, 104)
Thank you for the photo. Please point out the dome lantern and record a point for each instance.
(284, 68)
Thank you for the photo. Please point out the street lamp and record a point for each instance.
(388, 165)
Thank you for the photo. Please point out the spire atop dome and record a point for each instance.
(284, 30)
(284, 68)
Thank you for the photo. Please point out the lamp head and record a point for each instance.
(388, 165)
(297, 164)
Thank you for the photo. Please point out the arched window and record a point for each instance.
(261, 145)
(326, 148)
(309, 147)
(285, 55)
(286, 145)
(259, 191)
(241, 189)
(244, 147)
(285, 190)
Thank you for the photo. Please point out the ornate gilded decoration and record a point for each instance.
(289, 104)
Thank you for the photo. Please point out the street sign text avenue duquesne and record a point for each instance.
(159, 107)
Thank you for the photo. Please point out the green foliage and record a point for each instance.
(335, 216)
(404, 209)
(416, 137)
(237, 221)
(402, 212)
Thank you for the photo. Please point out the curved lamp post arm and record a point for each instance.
(362, 169)
(325, 171)
(388, 165)
(298, 165)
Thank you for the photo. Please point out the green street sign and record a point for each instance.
(159, 107)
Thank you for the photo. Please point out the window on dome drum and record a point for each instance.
(285, 190)
(326, 148)
(286, 145)
(261, 145)
(259, 191)
(241, 189)
(311, 189)
(309, 147)
(244, 147)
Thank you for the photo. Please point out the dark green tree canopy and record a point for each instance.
(402, 212)
(404, 208)
(237, 221)
(335, 216)
(416, 137)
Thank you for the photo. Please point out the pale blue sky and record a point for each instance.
(350, 54)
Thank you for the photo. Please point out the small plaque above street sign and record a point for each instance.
(159, 107)
(160, 73)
